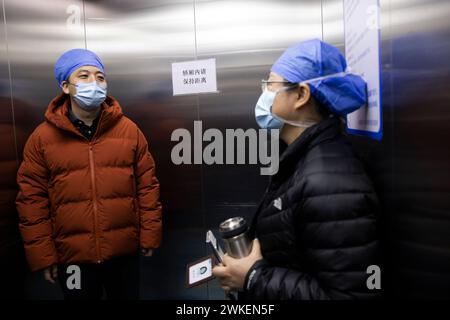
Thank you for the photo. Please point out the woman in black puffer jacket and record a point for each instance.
(316, 225)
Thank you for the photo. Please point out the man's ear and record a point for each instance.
(65, 87)
(303, 95)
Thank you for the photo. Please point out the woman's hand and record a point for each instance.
(231, 274)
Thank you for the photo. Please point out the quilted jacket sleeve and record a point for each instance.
(33, 207)
(150, 208)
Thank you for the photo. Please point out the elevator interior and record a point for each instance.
(138, 41)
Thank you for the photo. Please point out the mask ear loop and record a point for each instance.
(76, 85)
(307, 123)
(333, 75)
(302, 124)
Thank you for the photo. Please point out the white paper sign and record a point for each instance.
(362, 51)
(197, 76)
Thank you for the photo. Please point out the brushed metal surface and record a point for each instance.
(139, 39)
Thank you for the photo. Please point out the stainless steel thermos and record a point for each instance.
(234, 232)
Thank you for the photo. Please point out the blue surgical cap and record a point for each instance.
(74, 59)
(311, 59)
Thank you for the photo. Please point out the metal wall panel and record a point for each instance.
(12, 264)
(38, 32)
(8, 156)
(419, 213)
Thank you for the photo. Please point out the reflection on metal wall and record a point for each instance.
(11, 252)
(417, 75)
(138, 40)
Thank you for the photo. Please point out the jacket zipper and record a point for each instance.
(94, 190)
(94, 199)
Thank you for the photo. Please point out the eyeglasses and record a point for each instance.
(289, 85)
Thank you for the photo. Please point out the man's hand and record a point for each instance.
(147, 252)
(51, 273)
(232, 273)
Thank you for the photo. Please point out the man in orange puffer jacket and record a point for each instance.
(88, 192)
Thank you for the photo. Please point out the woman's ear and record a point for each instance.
(303, 95)
(65, 87)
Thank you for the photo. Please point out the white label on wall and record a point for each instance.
(197, 76)
(362, 51)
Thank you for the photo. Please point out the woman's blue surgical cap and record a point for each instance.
(74, 59)
(341, 94)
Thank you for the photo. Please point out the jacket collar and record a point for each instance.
(58, 108)
(312, 136)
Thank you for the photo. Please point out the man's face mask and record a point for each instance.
(89, 95)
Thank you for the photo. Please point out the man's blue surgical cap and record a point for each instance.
(74, 59)
(341, 94)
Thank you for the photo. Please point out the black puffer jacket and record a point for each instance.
(316, 223)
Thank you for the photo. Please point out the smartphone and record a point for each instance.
(218, 254)
(216, 249)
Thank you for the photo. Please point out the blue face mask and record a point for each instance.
(267, 120)
(263, 111)
(89, 95)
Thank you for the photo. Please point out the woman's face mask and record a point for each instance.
(263, 111)
(89, 95)
(268, 120)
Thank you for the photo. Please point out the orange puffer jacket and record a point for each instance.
(87, 201)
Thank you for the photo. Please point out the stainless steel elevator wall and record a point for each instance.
(139, 39)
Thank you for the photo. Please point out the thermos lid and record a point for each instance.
(232, 227)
